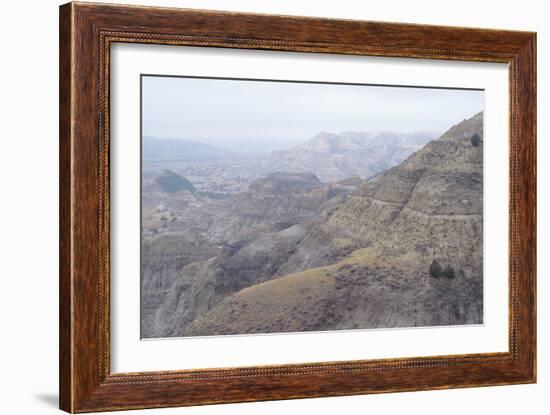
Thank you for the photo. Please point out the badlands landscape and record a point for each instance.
(354, 230)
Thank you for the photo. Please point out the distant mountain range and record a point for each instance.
(331, 157)
(157, 151)
(334, 157)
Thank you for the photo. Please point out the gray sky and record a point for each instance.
(233, 112)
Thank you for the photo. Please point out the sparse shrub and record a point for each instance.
(449, 272)
(475, 140)
(435, 269)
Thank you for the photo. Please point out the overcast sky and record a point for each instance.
(227, 112)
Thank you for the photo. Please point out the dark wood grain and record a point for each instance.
(86, 33)
(65, 138)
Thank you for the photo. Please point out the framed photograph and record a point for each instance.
(258, 207)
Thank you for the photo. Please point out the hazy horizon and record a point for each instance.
(270, 115)
(253, 146)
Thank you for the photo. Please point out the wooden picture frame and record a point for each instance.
(86, 33)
